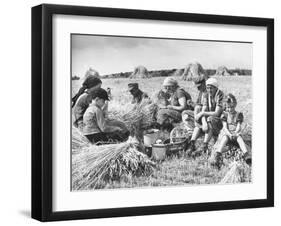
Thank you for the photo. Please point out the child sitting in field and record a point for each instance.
(231, 132)
(96, 128)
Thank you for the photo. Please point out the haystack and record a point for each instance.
(140, 72)
(222, 71)
(91, 71)
(178, 72)
(192, 70)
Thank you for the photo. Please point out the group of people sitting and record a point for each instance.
(213, 113)
(90, 111)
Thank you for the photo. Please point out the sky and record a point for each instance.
(111, 54)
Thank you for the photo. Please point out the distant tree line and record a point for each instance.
(170, 72)
(237, 71)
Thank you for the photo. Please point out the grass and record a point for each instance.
(177, 170)
(227, 85)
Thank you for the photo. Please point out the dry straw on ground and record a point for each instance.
(238, 172)
(93, 165)
(79, 141)
(96, 165)
(141, 115)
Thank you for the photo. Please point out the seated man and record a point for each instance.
(137, 94)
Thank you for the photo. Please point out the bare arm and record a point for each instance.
(238, 128)
(162, 106)
(215, 113)
(199, 115)
(204, 120)
(225, 128)
(182, 102)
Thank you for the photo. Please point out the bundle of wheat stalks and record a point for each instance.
(93, 167)
(238, 172)
(246, 133)
(79, 141)
(142, 115)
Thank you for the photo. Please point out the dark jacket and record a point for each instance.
(138, 97)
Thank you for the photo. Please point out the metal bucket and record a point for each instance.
(150, 137)
(159, 151)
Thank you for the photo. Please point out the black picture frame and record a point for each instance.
(42, 107)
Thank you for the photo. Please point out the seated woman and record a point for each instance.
(172, 101)
(82, 99)
(208, 119)
(89, 82)
(96, 128)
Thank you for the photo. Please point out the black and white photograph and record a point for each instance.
(156, 112)
(144, 112)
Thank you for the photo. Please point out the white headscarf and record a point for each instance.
(170, 81)
(212, 82)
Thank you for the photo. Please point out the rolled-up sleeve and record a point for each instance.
(219, 99)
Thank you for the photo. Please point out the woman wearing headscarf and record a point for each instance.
(208, 119)
(81, 101)
(172, 101)
(195, 73)
(89, 82)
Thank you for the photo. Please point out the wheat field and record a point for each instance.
(179, 170)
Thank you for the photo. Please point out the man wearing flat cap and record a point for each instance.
(137, 94)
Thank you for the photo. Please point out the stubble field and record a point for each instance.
(178, 170)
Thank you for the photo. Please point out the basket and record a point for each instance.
(160, 151)
(177, 146)
(180, 133)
